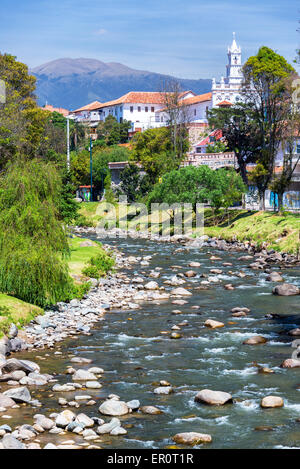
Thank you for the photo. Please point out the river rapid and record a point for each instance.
(136, 356)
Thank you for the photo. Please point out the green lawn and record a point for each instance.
(80, 255)
(15, 311)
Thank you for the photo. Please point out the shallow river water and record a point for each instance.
(136, 356)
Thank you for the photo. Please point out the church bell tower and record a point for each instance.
(234, 68)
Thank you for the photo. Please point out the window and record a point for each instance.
(146, 109)
(139, 109)
(156, 118)
(131, 108)
(152, 109)
(298, 148)
(195, 112)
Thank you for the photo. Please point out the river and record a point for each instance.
(136, 356)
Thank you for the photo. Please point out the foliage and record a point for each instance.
(134, 184)
(113, 132)
(99, 265)
(217, 147)
(199, 185)
(101, 158)
(33, 244)
(153, 149)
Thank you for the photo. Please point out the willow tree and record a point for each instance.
(33, 243)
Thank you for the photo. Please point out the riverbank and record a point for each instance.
(262, 229)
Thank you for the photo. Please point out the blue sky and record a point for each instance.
(187, 39)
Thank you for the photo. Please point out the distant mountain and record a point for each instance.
(72, 83)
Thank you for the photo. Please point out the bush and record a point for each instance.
(99, 265)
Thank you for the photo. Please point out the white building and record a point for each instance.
(147, 109)
(228, 90)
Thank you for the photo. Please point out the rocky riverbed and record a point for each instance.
(177, 359)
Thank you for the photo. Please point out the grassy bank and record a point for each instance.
(279, 232)
(15, 311)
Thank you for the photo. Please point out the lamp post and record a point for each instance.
(91, 168)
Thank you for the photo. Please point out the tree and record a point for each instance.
(241, 132)
(112, 131)
(33, 243)
(281, 181)
(22, 123)
(134, 184)
(101, 158)
(153, 149)
(178, 118)
(201, 184)
(217, 147)
(267, 92)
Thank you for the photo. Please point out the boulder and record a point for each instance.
(192, 438)
(255, 340)
(286, 289)
(44, 422)
(84, 420)
(13, 365)
(150, 410)
(294, 332)
(151, 286)
(213, 324)
(163, 390)
(84, 375)
(21, 395)
(108, 427)
(207, 396)
(190, 274)
(6, 402)
(10, 442)
(290, 363)
(64, 418)
(134, 404)
(274, 277)
(271, 402)
(180, 292)
(114, 408)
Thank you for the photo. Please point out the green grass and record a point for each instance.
(279, 232)
(15, 311)
(88, 210)
(80, 255)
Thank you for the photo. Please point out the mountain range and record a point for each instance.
(72, 83)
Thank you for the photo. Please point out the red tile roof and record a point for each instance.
(224, 103)
(89, 107)
(200, 98)
(61, 110)
(139, 97)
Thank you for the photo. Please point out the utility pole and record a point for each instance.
(68, 144)
(91, 167)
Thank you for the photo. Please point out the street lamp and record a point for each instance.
(68, 143)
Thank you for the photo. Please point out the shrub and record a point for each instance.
(99, 265)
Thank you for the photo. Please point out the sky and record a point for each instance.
(183, 38)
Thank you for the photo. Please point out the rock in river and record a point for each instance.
(207, 396)
(180, 292)
(151, 410)
(191, 438)
(213, 324)
(255, 340)
(19, 395)
(163, 390)
(84, 375)
(291, 363)
(115, 408)
(286, 289)
(271, 401)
